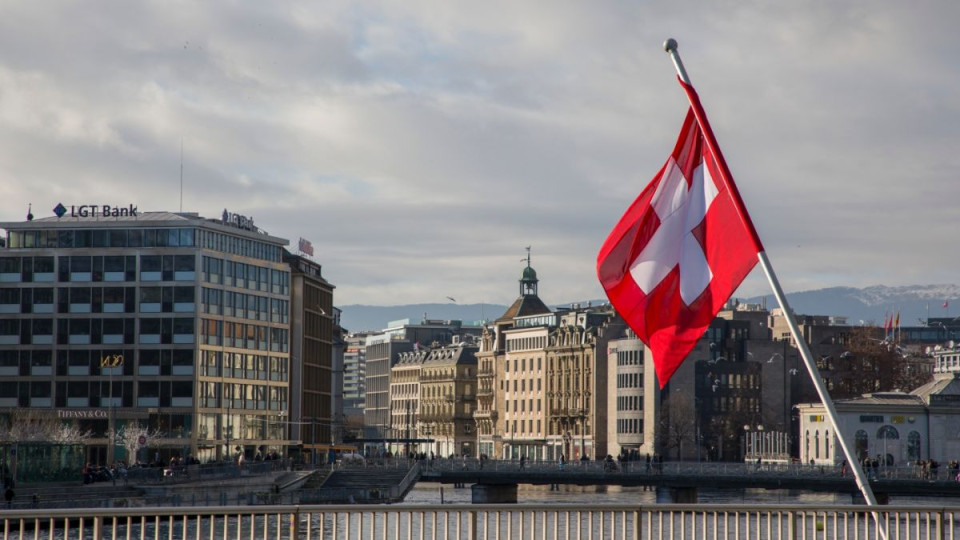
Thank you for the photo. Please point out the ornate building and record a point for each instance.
(405, 379)
(542, 389)
(448, 380)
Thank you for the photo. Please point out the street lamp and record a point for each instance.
(111, 363)
(583, 434)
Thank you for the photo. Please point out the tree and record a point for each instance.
(35, 425)
(678, 423)
(870, 365)
(128, 438)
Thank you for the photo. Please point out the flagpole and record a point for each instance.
(671, 47)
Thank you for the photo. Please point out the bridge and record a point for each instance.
(496, 480)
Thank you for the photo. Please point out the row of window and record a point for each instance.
(246, 247)
(115, 331)
(520, 364)
(505, 385)
(136, 238)
(630, 358)
(630, 403)
(630, 426)
(244, 366)
(84, 393)
(244, 336)
(98, 300)
(244, 306)
(97, 268)
(242, 396)
(240, 426)
(523, 404)
(246, 276)
(521, 427)
(526, 343)
(100, 238)
(630, 380)
(123, 362)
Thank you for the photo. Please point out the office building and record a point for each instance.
(172, 324)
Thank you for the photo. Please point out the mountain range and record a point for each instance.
(869, 305)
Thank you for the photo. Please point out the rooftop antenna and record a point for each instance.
(181, 175)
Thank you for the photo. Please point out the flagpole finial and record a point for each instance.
(670, 46)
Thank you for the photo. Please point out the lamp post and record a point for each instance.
(583, 434)
(110, 363)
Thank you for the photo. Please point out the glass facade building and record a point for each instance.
(168, 322)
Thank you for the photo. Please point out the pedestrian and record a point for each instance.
(843, 468)
(523, 461)
(9, 495)
(563, 461)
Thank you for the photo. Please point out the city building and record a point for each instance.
(313, 323)
(448, 382)
(542, 379)
(170, 324)
(893, 427)
(383, 350)
(625, 397)
(354, 384)
(405, 400)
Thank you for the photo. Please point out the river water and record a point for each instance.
(429, 493)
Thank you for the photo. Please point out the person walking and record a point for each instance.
(9, 495)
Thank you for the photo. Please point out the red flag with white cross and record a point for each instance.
(681, 249)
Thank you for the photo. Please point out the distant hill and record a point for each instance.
(357, 318)
(870, 305)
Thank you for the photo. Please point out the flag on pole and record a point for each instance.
(681, 249)
(306, 247)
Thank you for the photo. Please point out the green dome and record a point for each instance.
(529, 274)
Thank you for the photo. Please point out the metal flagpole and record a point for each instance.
(671, 47)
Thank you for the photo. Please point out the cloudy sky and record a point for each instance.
(422, 145)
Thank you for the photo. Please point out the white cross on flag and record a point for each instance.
(681, 249)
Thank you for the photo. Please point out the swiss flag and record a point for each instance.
(681, 249)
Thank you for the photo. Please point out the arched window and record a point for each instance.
(861, 444)
(816, 444)
(826, 444)
(806, 443)
(888, 432)
(913, 446)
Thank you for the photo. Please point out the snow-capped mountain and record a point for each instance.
(872, 305)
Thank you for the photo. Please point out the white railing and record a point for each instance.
(522, 521)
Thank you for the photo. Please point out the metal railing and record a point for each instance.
(786, 522)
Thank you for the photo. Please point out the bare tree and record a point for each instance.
(128, 437)
(34, 425)
(678, 423)
(871, 364)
